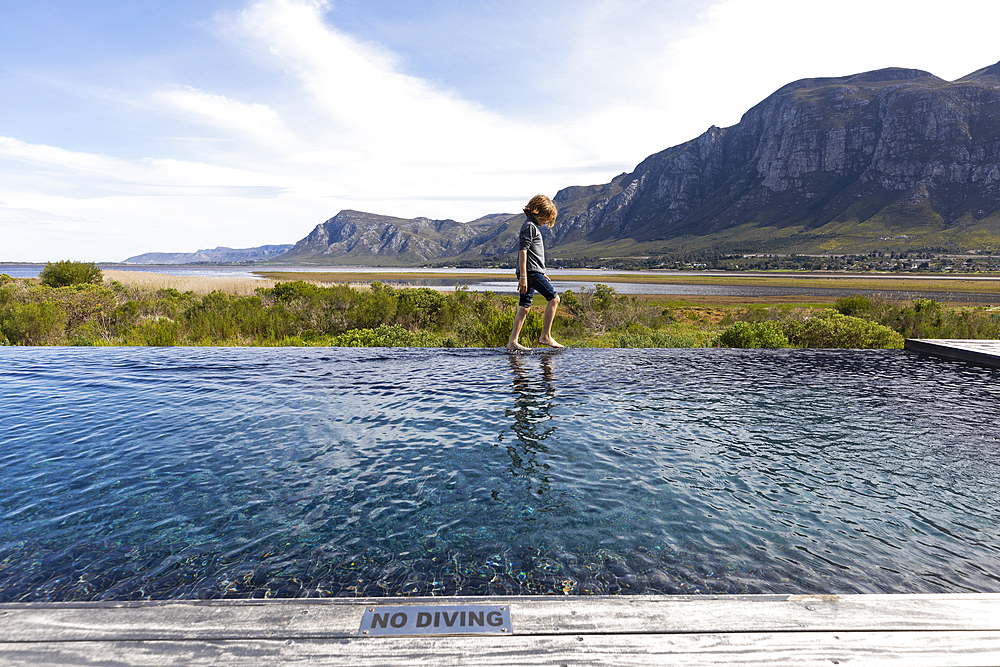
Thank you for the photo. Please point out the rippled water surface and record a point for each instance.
(199, 473)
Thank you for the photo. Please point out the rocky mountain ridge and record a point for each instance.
(219, 255)
(839, 161)
(353, 237)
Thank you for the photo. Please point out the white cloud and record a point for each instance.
(739, 51)
(393, 118)
(152, 172)
(55, 156)
(256, 120)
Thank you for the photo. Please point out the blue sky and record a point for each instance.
(130, 127)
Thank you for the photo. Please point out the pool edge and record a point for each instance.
(686, 630)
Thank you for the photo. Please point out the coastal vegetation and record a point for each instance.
(299, 313)
(68, 272)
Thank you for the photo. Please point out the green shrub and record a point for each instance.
(752, 334)
(375, 307)
(383, 336)
(495, 331)
(295, 291)
(531, 331)
(33, 323)
(569, 302)
(154, 332)
(602, 309)
(856, 305)
(603, 297)
(82, 302)
(219, 317)
(65, 273)
(830, 329)
(90, 334)
(424, 308)
(927, 318)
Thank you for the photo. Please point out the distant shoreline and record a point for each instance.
(933, 283)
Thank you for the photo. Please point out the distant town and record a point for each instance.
(902, 262)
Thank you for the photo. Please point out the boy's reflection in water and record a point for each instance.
(533, 398)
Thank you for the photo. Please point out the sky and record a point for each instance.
(132, 126)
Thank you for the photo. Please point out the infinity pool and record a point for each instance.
(131, 473)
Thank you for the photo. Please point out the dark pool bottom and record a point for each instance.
(203, 473)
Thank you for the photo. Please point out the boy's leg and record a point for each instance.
(515, 332)
(550, 315)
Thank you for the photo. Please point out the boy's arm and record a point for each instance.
(522, 270)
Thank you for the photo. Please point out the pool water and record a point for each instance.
(130, 473)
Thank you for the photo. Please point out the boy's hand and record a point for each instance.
(522, 285)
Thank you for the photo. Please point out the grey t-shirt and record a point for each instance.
(530, 239)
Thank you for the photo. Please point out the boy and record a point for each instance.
(531, 276)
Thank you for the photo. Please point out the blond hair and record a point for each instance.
(541, 209)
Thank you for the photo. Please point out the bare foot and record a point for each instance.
(516, 347)
(551, 342)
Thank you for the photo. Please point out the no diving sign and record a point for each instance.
(436, 620)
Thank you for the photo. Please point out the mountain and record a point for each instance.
(835, 164)
(354, 237)
(218, 255)
(891, 159)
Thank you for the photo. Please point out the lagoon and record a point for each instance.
(189, 473)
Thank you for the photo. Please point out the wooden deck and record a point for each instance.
(983, 352)
(910, 630)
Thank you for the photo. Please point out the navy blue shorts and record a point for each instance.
(537, 282)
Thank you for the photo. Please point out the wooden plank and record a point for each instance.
(547, 615)
(984, 352)
(909, 649)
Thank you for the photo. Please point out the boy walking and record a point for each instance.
(531, 276)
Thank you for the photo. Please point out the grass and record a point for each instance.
(149, 281)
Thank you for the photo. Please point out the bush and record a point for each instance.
(382, 336)
(602, 309)
(66, 273)
(154, 332)
(495, 331)
(219, 317)
(926, 318)
(324, 310)
(295, 291)
(856, 305)
(830, 329)
(376, 307)
(423, 308)
(82, 302)
(752, 334)
(33, 324)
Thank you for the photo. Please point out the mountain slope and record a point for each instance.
(354, 237)
(821, 162)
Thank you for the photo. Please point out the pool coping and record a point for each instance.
(939, 629)
(983, 352)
